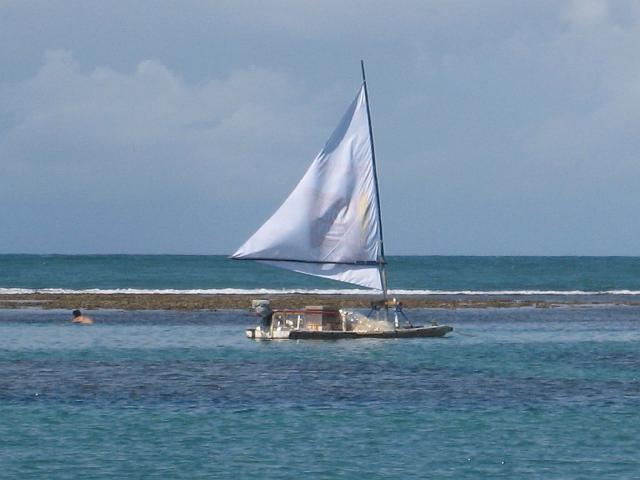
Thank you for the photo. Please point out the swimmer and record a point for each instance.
(81, 319)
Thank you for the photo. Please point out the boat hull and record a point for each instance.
(412, 332)
(415, 332)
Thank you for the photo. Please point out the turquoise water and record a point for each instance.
(524, 275)
(512, 393)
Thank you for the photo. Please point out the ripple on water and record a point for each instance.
(525, 392)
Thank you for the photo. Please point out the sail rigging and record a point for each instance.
(381, 266)
(330, 225)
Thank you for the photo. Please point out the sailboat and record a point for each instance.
(330, 226)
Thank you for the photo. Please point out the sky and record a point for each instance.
(502, 127)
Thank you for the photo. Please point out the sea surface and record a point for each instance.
(523, 393)
(447, 275)
(531, 393)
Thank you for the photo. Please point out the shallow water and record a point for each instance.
(512, 393)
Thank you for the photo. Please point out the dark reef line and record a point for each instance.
(241, 301)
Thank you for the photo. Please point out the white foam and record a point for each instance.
(269, 291)
(15, 291)
(515, 292)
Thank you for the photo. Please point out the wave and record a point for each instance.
(271, 291)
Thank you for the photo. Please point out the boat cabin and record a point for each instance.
(315, 318)
(279, 323)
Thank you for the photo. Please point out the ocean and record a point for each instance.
(590, 276)
(511, 393)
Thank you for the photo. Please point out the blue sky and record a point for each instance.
(502, 127)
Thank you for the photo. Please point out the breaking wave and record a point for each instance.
(271, 291)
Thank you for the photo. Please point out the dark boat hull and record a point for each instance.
(414, 332)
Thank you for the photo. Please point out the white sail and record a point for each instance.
(329, 225)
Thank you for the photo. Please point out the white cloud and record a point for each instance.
(588, 137)
(504, 105)
(587, 13)
(114, 152)
(149, 120)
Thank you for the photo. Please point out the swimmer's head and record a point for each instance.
(77, 313)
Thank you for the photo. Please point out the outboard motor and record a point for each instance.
(263, 308)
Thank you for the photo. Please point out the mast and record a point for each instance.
(381, 261)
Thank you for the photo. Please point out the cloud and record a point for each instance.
(482, 111)
(90, 143)
(132, 125)
(587, 13)
(587, 138)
